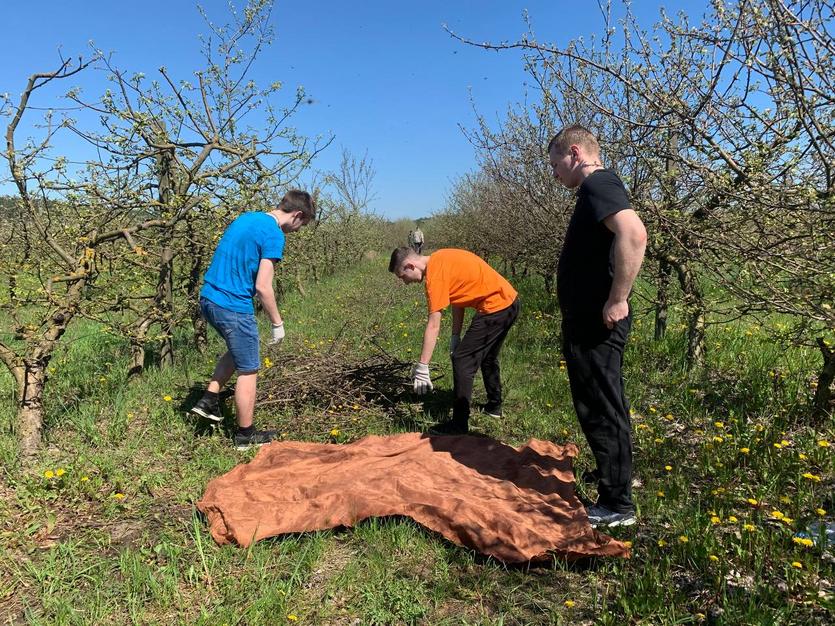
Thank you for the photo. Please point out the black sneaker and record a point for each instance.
(493, 410)
(208, 408)
(255, 438)
(599, 515)
(452, 427)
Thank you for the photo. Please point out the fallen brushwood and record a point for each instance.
(330, 380)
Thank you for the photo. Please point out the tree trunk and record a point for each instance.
(694, 307)
(822, 404)
(30, 411)
(165, 305)
(137, 348)
(164, 301)
(661, 304)
(30, 372)
(195, 274)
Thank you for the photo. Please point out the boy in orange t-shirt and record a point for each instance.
(461, 279)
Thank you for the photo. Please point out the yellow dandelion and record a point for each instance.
(749, 527)
(788, 521)
(823, 443)
(719, 424)
(49, 474)
(777, 515)
(84, 479)
(718, 439)
(661, 543)
(658, 440)
(732, 519)
(700, 617)
(797, 564)
(569, 603)
(820, 512)
(652, 409)
(292, 618)
(803, 541)
(60, 472)
(802, 456)
(335, 432)
(715, 520)
(669, 468)
(714, 558)
(745, 450)
(752, 501)
(683, 539)
(118, 496)
(660, 494)
(167, 398)
(668, 417)
(628, 544)
(813, 477)
(778, 445)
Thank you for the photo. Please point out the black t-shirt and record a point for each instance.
(585, 270)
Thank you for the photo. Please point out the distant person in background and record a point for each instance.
(418, 240)
(461, 279)
(243, 266)
(602, 253)
(412, 239)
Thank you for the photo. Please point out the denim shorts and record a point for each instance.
(239, 331)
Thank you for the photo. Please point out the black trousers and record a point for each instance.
(594, 359)
(479, 348)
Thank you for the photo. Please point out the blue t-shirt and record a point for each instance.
(230, 280)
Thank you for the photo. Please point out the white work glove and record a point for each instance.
(277, 334)
(420, 378)
(454, 340)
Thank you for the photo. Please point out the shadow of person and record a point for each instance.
(526, 468)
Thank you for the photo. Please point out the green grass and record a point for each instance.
(115, 539)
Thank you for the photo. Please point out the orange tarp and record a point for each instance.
(515, 504)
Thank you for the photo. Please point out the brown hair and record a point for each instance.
(298, 200)
(574, 135)
(398, 258)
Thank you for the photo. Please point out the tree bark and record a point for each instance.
(822, 403)
(661, 301)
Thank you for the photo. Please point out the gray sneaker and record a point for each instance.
(599, 515)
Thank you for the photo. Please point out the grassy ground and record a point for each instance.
(103, 529)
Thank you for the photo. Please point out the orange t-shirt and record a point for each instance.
(461, 278)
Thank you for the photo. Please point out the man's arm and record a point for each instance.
(630, 243)
(430, 336)
(264, 290)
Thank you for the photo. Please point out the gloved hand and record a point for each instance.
(420, 378)
(454, 340)
(277, 334)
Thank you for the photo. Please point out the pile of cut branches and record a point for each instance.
(334, 379)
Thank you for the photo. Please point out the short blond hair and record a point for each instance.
(574, 135)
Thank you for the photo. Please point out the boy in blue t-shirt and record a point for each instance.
(243, 266)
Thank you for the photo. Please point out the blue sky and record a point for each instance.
(384, 76)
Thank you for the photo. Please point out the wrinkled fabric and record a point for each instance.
(514, 504)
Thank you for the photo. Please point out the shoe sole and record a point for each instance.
(247, 446)
(493, 414)
(209, 416)
(616, 523)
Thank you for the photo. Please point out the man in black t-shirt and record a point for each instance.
(602, 253)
